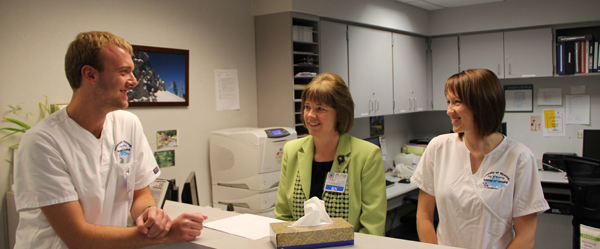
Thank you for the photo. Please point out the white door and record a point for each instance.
(444, 60)
(410, 73)
(483, 51)
(528, 53)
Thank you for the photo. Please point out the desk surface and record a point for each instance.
(217, 239)
(552, 177)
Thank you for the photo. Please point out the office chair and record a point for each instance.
(584, 181)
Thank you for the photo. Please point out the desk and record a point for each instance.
(396, 192)
(556, 191)
(218, 239)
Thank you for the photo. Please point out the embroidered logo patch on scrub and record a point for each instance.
(495, 180)
(123, 148)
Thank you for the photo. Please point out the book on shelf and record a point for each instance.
(591, 57)
(596, 55)
(569, 57)
(574, 38)
(576, 62)
(560, 58)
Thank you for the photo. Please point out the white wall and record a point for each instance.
(512, 14)
(518, 125)
(218, 34)
(389, 14)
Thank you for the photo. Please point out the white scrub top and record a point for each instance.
(58, 161)
(477, 210)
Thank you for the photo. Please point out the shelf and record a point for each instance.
(305, 65)
(305, 53)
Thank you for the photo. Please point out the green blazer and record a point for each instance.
(366, 196)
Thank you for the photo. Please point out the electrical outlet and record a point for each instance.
(580, 134)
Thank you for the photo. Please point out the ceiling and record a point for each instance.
(443, 4)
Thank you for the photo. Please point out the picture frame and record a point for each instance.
(162, 75)
(519, 98)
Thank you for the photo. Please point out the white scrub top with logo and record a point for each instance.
(477, 210)
(58, 161)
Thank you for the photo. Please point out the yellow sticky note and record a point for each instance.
(549, 119)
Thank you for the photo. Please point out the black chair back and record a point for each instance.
(584, 181)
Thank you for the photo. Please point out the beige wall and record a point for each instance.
(218, 34)
(512, 14)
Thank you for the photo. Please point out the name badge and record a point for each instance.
(336, 182)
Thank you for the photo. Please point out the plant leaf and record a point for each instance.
(27, 127)
(8, 135)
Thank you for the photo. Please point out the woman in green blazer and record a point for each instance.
(328, 114)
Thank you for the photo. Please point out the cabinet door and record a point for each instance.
(410, 73)
(334, 49)
(528, 53)
(444, 63)
(370, 71)
(483, 51)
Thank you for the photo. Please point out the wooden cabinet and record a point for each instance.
(370, 71)
(444, 63)
(528, 53)
(483, 51)
(410, 73)
(287, 58)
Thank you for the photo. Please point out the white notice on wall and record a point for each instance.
(590, 237)
(578, 109)
(549, 96)
(228, 92)
(553, 125)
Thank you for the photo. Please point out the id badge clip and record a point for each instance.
(336, 182)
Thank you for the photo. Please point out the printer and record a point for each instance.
(245, 166)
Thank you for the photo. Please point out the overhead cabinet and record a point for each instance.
(444, 61)
(483, 51)
(334, 49)
(511, 54)
(410, 73)
(370, 71)
(528, 53)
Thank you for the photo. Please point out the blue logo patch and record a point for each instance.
(495, 180)
(123, 148)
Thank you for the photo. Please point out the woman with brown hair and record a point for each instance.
(485, 185)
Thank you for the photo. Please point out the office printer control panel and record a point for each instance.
(276, 133)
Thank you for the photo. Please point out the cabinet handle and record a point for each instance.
(415, 104)
(370, 105)
(376, 105)
(509, 69)
(498, 69)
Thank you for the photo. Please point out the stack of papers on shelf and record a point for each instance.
(299, 86)
(302, 33)
(306, 74)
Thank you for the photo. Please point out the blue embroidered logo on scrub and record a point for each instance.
(495, 180)
(123, 148)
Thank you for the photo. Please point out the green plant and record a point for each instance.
(23, 127)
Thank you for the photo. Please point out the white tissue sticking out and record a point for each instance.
(314, 214)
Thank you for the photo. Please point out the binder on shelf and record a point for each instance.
(569, 57)
(560, 58)
(592, 61)
(596, 55)
(577, 65)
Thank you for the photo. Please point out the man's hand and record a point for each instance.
(154, 222)
(187, 227)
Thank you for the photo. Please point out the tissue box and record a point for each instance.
(337, 234)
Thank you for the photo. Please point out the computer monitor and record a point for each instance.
(591, 144)
(189, 194)
(374, 140)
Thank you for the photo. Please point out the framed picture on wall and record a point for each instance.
(162, 75)
(519, 98)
